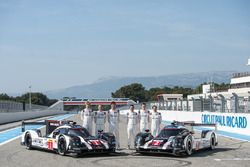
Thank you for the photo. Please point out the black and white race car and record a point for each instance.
(177, 139)
(66, 137)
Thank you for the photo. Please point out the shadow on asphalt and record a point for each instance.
(200, 153)
(101, 155)
(86, 155)
(122, 153)
(207, 152)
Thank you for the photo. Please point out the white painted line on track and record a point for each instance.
(4, 131)
(10, 140)
(233, 159)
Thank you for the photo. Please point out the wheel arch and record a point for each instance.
(33, 134)
(67, 140)
(209, 135)
(187, 138)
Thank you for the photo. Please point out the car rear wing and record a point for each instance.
(193, 124)
(31, 123)
(51, 125)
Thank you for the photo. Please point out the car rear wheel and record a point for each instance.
(76, 155)
(61, 146)
(212, 142)
(189, 146)
(28, 141)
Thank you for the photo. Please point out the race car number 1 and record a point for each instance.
(50, 144)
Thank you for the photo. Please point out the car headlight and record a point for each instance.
(75, 142)
(138, 141)
(176, 142)
(171, 139)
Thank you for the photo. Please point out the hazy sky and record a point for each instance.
(52, 44)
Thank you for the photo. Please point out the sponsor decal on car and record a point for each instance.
(197, 147)
(95, 142)
(50, 144)
(156, 142)
(38, 142)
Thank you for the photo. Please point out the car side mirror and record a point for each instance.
(191, 132)
(100, 131)
(55, 134)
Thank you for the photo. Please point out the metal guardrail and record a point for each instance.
(11, 106)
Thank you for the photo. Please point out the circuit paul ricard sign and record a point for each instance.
(236, 123)
(233, 121)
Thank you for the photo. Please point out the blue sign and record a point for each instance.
(222, 120)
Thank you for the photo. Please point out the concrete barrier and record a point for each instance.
(18, 116)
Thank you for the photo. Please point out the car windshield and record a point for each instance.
(79, 132)
(165, 133)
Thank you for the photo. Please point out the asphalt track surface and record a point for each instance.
(230, 152)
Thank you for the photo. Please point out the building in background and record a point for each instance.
(235, 99)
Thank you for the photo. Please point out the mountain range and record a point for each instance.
(103, 87)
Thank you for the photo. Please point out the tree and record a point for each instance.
(198, 89)
(134, 91)
(4, 96)
(153, 92)
(36, 98)
(221, 87)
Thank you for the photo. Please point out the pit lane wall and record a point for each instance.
(235, 125)
(8, 117)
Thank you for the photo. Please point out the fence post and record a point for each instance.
(193, 104)
(211, 101)
(202, 107)
(181, 109)
(222, 102)
(23, 106)
(236, 102)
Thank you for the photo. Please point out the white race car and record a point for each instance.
(66, 137)
(177, 139)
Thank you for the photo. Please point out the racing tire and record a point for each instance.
(76, 155)
(189, 146)
(178, 154)
(112, 152)
(212, 142)
(61, 146)
(28, 141)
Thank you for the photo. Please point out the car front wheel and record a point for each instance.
(61, 146)
(212, 142)
(189, 146)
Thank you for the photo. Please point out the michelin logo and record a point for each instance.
(229, 121)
